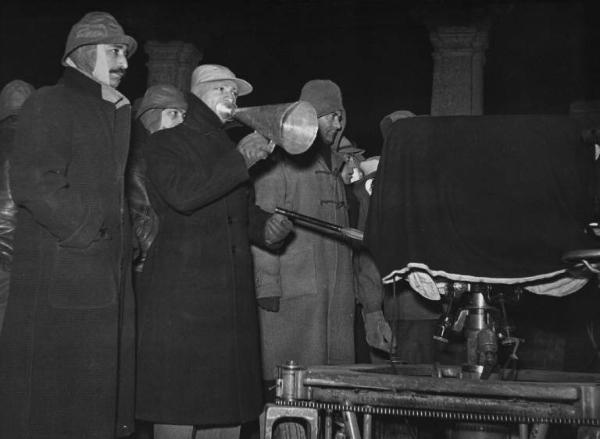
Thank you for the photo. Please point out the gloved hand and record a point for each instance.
(254, 147)
(269, 303)
(379, 333)
(277, 228)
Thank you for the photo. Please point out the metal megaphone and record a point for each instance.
(293, 126)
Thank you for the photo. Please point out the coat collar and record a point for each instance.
(76, 79)
(199, 115)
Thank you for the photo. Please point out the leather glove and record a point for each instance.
(277, 228)
(254, 147)
(269, 303)
(379, 333)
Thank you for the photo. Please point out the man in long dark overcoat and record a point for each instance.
(67, 349)
(199, 355)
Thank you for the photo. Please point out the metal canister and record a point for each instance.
(290, 384)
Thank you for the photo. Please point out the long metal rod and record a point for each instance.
(395, 383)
(351, 424)
(319, 224)
(368, 426)
(308, 219)
(329, 425)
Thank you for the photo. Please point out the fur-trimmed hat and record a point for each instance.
(97, 28)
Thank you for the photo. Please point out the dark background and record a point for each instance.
(541, 56)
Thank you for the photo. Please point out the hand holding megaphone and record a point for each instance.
(255, 147)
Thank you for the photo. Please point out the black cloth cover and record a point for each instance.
(486, 196)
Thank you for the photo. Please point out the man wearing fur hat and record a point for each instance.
(66, 368)
(306, 290)
(198, 357)
(12, 97)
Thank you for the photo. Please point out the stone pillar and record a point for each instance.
(458, 59)
(171, 63)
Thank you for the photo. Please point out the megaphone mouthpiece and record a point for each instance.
(225, 111)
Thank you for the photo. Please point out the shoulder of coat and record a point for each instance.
(48, 93)
(48, 101)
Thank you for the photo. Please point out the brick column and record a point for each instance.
(171, 63)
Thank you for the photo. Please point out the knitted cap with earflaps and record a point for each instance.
(324, 95)
(97, 28)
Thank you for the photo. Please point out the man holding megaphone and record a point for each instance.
(198, 354)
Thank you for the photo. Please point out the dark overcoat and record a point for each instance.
(199, 358)
(67, 348)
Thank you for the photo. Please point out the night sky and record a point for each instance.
(541, 56)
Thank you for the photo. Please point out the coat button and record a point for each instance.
(233, 248)
(229, 220)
